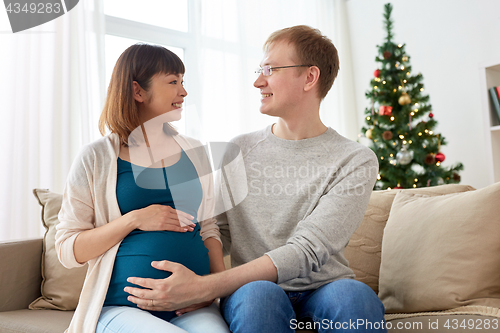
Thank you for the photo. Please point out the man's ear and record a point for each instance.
(138, 93)
(311, 78)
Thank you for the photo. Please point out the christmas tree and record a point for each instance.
(400, 123)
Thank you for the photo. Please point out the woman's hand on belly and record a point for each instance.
(92, 243)
(160, 217)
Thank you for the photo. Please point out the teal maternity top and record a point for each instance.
(177, 186)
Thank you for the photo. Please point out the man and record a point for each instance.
(308, 191)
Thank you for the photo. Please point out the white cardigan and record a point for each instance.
(89, 201)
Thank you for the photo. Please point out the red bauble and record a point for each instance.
(387, 54)
(376, 73)
(439, 157)
(385, 110)
(397, 188)
(431, 115)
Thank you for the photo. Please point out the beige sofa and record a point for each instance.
(399, 251)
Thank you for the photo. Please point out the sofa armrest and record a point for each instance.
(20, 273)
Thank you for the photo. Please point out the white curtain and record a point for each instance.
(230, 35)
(51, 87)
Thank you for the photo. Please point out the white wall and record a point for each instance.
(447, 40)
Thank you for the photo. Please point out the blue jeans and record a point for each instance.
(341, 306)
(125, 319)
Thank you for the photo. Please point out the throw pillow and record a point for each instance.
(364, 249)
(441, 252)
(61, 287)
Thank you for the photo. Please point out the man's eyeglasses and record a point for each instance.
(268, 70)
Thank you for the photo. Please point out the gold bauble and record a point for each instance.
(368, 134)
(404, 99)
(405, 58)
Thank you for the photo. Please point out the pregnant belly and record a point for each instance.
(140, 248)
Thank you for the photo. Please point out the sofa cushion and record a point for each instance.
(364, 249)
(35, 321)
(61, 287)
(20, 284)
(441, 252)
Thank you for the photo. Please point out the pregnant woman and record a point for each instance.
(140, 194)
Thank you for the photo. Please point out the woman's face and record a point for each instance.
(165, 97)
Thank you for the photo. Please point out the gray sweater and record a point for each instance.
(305, 200)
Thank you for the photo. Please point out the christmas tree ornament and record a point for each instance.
(431, 115)
(456, 177)
(429, 159)
(387, 54)
(398, 187)
(387, 135)
(404, 99)
(377, 73)
(369, 133)
(385, 110)
(439, 157)
(404, 156)
(405, 58)
(440, 181)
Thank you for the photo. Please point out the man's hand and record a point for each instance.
(184, 288)
(178, 291)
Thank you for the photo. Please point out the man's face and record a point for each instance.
(281, 91)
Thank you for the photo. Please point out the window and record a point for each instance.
(116, 45)
(171, 14)
(221, 45)
(208, 38)
(162, 22)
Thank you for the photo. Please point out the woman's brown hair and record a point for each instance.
(140, 62)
